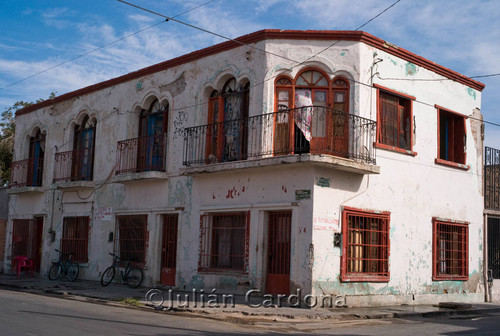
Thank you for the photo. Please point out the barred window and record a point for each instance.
(75, 238)
(224, 241)
(21, 238)
(450, 250)
(365, 254)
(132, 237)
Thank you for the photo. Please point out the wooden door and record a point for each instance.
(278, 253)
(320, 121)
(282, 121)
(169, 250)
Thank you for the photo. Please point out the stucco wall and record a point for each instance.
(413, 188)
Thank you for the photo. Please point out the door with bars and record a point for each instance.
(169, 250)
(278, 253)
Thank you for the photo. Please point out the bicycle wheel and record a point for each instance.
(108, 276)
(73, 271)
(133, 278)
(55, 271)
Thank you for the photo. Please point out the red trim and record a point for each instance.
(366, 277)
(464, 165)
(394, 92)
(452, 164)
(221, 270)
(268, 34)
(451, 111)
(379, 119)
(450, 277)
(395, 149)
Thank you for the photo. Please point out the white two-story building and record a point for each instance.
(327, 161)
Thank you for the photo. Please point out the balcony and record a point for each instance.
(492, 179)
(142, 157)
(319, 134)
(26, 173)
(74, 165)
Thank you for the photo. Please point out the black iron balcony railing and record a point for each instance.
(491, 178)
(141, 154)
(74, 165)
(315, 130)
(27, 173)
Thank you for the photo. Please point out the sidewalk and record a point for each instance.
(115, 294)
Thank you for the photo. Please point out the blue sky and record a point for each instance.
(36, 35)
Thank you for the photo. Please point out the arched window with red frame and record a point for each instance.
(317, 111)
(311, 102)
(152, 137)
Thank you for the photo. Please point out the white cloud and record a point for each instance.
(57, 17)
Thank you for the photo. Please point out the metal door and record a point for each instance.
(278, 254)
(169, 250)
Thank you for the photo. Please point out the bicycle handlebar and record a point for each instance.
(70, 253)
(120, 258)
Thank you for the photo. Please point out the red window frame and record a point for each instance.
(403, 104)
(224, 242)
(450, 250)
(366, 246)
(451, 138)
(75, 238)
(132, 238)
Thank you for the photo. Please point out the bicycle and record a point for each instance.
(64, 267)
(131, 276)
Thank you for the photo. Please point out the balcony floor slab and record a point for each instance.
(323, 160)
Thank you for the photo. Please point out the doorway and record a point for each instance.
(169, 250)
(278, 253)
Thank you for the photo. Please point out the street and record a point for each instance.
(30, 314)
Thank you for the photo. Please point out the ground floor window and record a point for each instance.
(224, 241)
(365, 254)
(75, 238)
(132, 238)
(450, 250)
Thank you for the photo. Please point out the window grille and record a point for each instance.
(224, 242)
(132, 238)
(76, 238)
(366, 246)
(450, 250)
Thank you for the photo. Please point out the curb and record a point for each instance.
(243, 316)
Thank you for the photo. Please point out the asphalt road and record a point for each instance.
(29, 314)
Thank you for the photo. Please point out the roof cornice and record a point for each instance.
(267, 34)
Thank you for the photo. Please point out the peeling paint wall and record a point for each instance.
(412, 188)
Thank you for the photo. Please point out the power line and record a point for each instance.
(102, 47)
(434, 79)
(168, 18)
(334, 43)
(297, 63)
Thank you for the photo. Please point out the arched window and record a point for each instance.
(83, 150)
(36, 156)
(228, 117)
(153, 121)
(319, 109)
(152, 137)
(311, 124)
